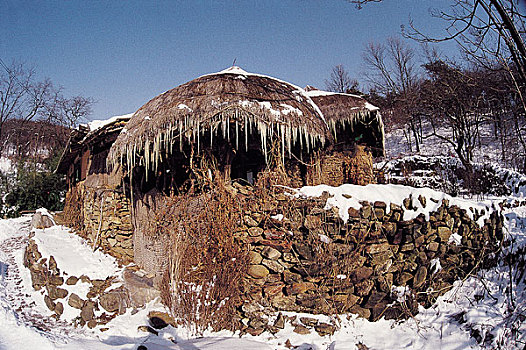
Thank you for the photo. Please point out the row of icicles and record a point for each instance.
(190, 130)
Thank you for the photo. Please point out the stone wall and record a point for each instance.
(111, 227)
(105, 298)
(375, 265)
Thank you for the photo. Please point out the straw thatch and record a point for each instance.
(231, 104)
(350, 115)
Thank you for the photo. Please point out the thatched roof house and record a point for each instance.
(351, 118)
(248, 111)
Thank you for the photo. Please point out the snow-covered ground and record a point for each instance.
(461, 319)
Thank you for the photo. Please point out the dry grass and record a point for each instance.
(202, 286)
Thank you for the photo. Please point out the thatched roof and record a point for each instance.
(86, 134)
(210, 106)
(349, 111)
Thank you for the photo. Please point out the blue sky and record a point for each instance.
(123, 53)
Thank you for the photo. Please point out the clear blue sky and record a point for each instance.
(123, 53)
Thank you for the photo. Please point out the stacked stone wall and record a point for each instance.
(375, 265)
(101, 214)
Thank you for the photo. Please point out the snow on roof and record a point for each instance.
(300, 92)
(98, 124)
(316, 93)
(350, 196)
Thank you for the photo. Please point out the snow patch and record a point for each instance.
(350, 196)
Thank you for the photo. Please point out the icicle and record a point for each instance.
(228, 127)
(289, 136)
(237, 136)
(246, 134)
(282, 131)
(180, 136)
(198, 134)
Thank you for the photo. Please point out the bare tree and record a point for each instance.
(340, 81)
(24, 100)
(20, 96)
(391, 70)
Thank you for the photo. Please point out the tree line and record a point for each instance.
(430, 95)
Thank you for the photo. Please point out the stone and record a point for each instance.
(444, 233)
(280, 321)
(72, 280)
(403, 278)
(381, 258)
(113, 301)
(255, 231)
(433, 246)
(257, 323)
(377, 248)
(420, 277)
(365, 211)
(420, 240)
(353, 213)
(273, 289)
(300, 288)
(56, 292)
(140, 288)
(251, 307)
(309, 321)
(59, 308)
(53, 265)
(41, 220)
(375, 298)
(91, 324)
(301, 330)
(360, 311)
(75, 301)
(273, 265)
(364, 288)
(270, 253)
(407, 247)
(160, 320)
(303, 250)
(285, 303)
(87, 312)
(360, 274)
(291, 277)
(257, 271)
(254, 257)
(324, 329)
(49, 303)
(290, 258)
(379, 213)
(356, 262)
(385, 282)
(422, 200)
(147, 329)
(38, 279)
(85, 279)
(56, 280)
